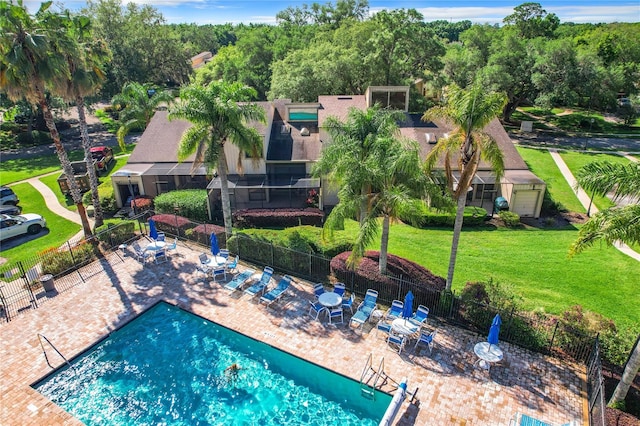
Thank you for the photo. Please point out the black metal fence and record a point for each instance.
(595, 387)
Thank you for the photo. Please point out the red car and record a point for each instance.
(102, 156)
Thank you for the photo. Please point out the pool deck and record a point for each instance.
(451, 389)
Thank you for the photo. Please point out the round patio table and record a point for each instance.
(487, 354)
(155, 246)
(404, 327)
(330, 299)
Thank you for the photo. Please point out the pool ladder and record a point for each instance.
(371, 379)
(40, 338)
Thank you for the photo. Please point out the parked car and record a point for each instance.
(7, 196)
(13, 226)
(102, 156)
(10, 209)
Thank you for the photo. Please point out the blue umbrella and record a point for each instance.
(492, 338)
(153, 232)
(214, 244)
(407, 309)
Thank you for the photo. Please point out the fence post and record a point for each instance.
(310, 264)
(73, 259)
(553, 336)
(451, 295)
(508, 327)
(4, 305)
(28, 284)
(272, 255)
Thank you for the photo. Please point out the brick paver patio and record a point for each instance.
(451, 389)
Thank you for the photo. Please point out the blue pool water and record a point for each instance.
(168, 367)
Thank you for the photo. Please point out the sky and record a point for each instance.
(476, 11)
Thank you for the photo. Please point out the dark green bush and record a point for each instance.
(107, 197)
(510, 219)
(114, 235)
(33, 138)
(202, 234)
(191, 203)
(55, 261)
(473, 216)
(278, 218)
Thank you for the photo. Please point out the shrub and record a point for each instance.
(114, 235)
(278, 218)
(56, 261)
(367, 275)
(202, 234)
(142, 203)
(171, 223)
(473, 216)
(510, 219)
(33, 138)
(107, 197)
(191, 203)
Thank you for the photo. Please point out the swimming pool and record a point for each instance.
(168, 367)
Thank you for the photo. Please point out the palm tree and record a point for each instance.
(469, 111)
(138, 102)
(396, 188)
(616, 223)
(220, 113)
(86, 76)
(342, 161)
(30, 59)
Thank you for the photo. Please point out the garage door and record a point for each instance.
(524, 203)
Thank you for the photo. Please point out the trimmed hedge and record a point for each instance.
(172, 224)
(202, 234)
(278, 218)
(191, 203)
(473, 216)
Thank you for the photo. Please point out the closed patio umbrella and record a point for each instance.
(215, 249)
(407, 309)
(492, 338)
(153, 232)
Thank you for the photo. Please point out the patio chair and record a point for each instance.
(262, 284)
(160, 237)
(141, 255)
(334, 314)
(383, 326)
(365, 309)
(239, 280)
(396, 341)
(315, 309)
(426, 338)
(419, 318)
(339, 289)
(159, 256)
(172, 247)
(395, 311)
(224, 253)
(318, 289)
(219, 271)
(233, 265)
(278, 291)
(348, 303)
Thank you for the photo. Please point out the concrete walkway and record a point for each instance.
(585, 200)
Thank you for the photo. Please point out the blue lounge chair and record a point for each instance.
(276, 293)
(261, 285)
(395, 310)
(240, 280)
(365, 309)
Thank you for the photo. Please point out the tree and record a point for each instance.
(469, 111)
(616, 223)
(342, 161)
(628, 375)
(220, 113)
(532, 20)
(138, 103)
(31, 59)
(86, 76)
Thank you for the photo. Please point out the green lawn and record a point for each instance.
(576, 160)
(59, 230)
(533, 261)
(541, 163)
(17, 170)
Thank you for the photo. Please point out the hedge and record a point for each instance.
(473, 216)
(114, 235)
(202, 234)
(172, 224)
(107, 197)
(278, 218)
(191, 203)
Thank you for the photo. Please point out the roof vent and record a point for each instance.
(304, 132)
(431, 138)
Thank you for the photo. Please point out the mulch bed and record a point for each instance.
(616, 417)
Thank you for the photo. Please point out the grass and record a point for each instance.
(577, 121)
(541, 163)
(533, 262)
(60, 230)
(52, 182)
(576, 160)
(21, 169)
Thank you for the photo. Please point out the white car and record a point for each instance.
(12, 226)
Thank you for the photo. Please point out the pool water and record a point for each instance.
(168, 367)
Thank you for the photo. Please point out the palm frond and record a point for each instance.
(609, 226)
(603, 177)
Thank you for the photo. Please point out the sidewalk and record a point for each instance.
(585, 200)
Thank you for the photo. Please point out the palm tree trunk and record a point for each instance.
(93, 178)
(66, 164)
(629, 373)
(457, 229)
(224, 193)
(384, 243)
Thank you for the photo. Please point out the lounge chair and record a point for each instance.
(427, 338)
(278, 291)
(419, 318)
(262, 284)
(239, 280)
(525, 420)
(395, 310)
(365, 309)
(339, 289)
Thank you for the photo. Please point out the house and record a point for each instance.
(293, 138)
